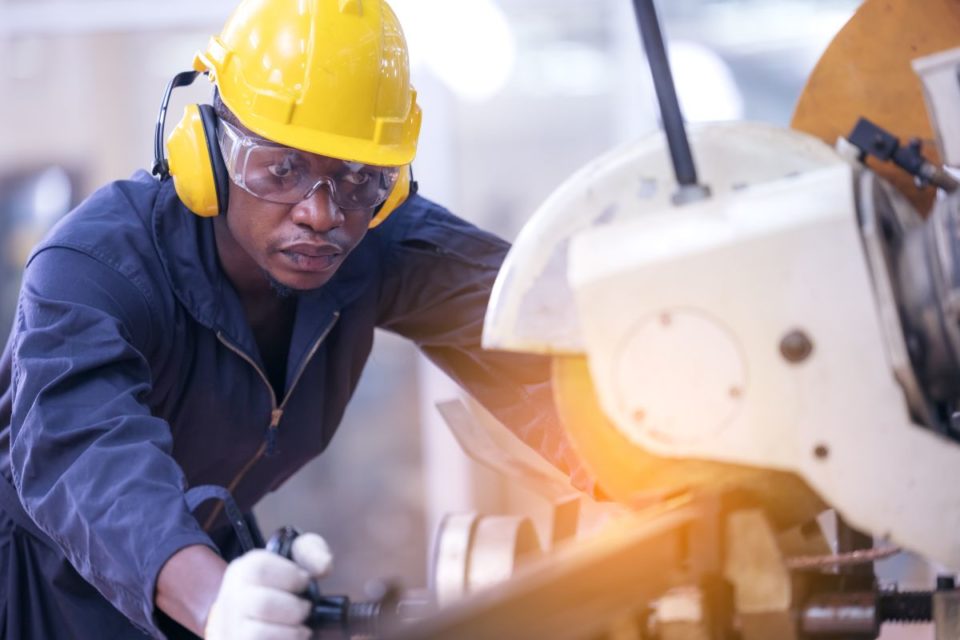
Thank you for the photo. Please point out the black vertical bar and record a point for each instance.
(673, 126)
(850, 539)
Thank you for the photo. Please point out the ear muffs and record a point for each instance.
(196, 164)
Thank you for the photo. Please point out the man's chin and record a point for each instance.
(286, 288)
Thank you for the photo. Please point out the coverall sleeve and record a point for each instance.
(92, 466)
(436, 284)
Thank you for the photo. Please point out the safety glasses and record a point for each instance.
(287, 176)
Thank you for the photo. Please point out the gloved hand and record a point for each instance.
(259, 596)
(311, 552)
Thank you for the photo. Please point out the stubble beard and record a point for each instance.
(280, 289)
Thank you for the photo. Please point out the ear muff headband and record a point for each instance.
(160, 166)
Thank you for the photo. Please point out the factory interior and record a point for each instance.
(792, 336)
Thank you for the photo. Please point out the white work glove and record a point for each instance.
(259, 597)
(311, 552)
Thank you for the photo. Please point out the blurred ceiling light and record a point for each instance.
(467, 44)
(705, 85)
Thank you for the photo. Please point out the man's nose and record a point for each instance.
(318, 211)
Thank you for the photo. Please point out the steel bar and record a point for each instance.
(670, 113)
(864, 556)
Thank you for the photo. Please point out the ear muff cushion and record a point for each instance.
(220, 177)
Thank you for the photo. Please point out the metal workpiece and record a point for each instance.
(451, 551)
(834, 560)
(580, 590)
(473, 552)
(693, 569)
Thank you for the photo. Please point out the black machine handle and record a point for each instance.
(872, 140)
(338, 613)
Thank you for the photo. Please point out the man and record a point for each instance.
(209, 329)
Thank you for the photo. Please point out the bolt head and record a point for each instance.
(796, 346)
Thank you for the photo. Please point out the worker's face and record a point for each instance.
(300, 246)
(293, 214)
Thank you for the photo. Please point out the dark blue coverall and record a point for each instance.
(132, 374)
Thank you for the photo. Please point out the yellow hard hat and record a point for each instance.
(330, 77)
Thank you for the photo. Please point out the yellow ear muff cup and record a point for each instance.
(399, 195)
(192, 150)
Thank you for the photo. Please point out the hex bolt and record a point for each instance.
(796, 346)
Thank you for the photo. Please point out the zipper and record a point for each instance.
(268, 447)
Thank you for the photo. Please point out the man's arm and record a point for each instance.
(188, 584)
(92, 465)
(437, 277)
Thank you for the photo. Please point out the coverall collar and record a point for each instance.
(187, 249)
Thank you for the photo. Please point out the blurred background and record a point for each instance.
(516, 96)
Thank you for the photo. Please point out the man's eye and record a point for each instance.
(281, 170)
(357, 178)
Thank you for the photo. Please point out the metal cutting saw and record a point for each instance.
(751, 324)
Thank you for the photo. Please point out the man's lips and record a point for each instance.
(312, 257)
(313, 250)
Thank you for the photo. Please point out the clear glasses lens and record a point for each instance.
(285, 175)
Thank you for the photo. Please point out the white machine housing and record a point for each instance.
(682, 313)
